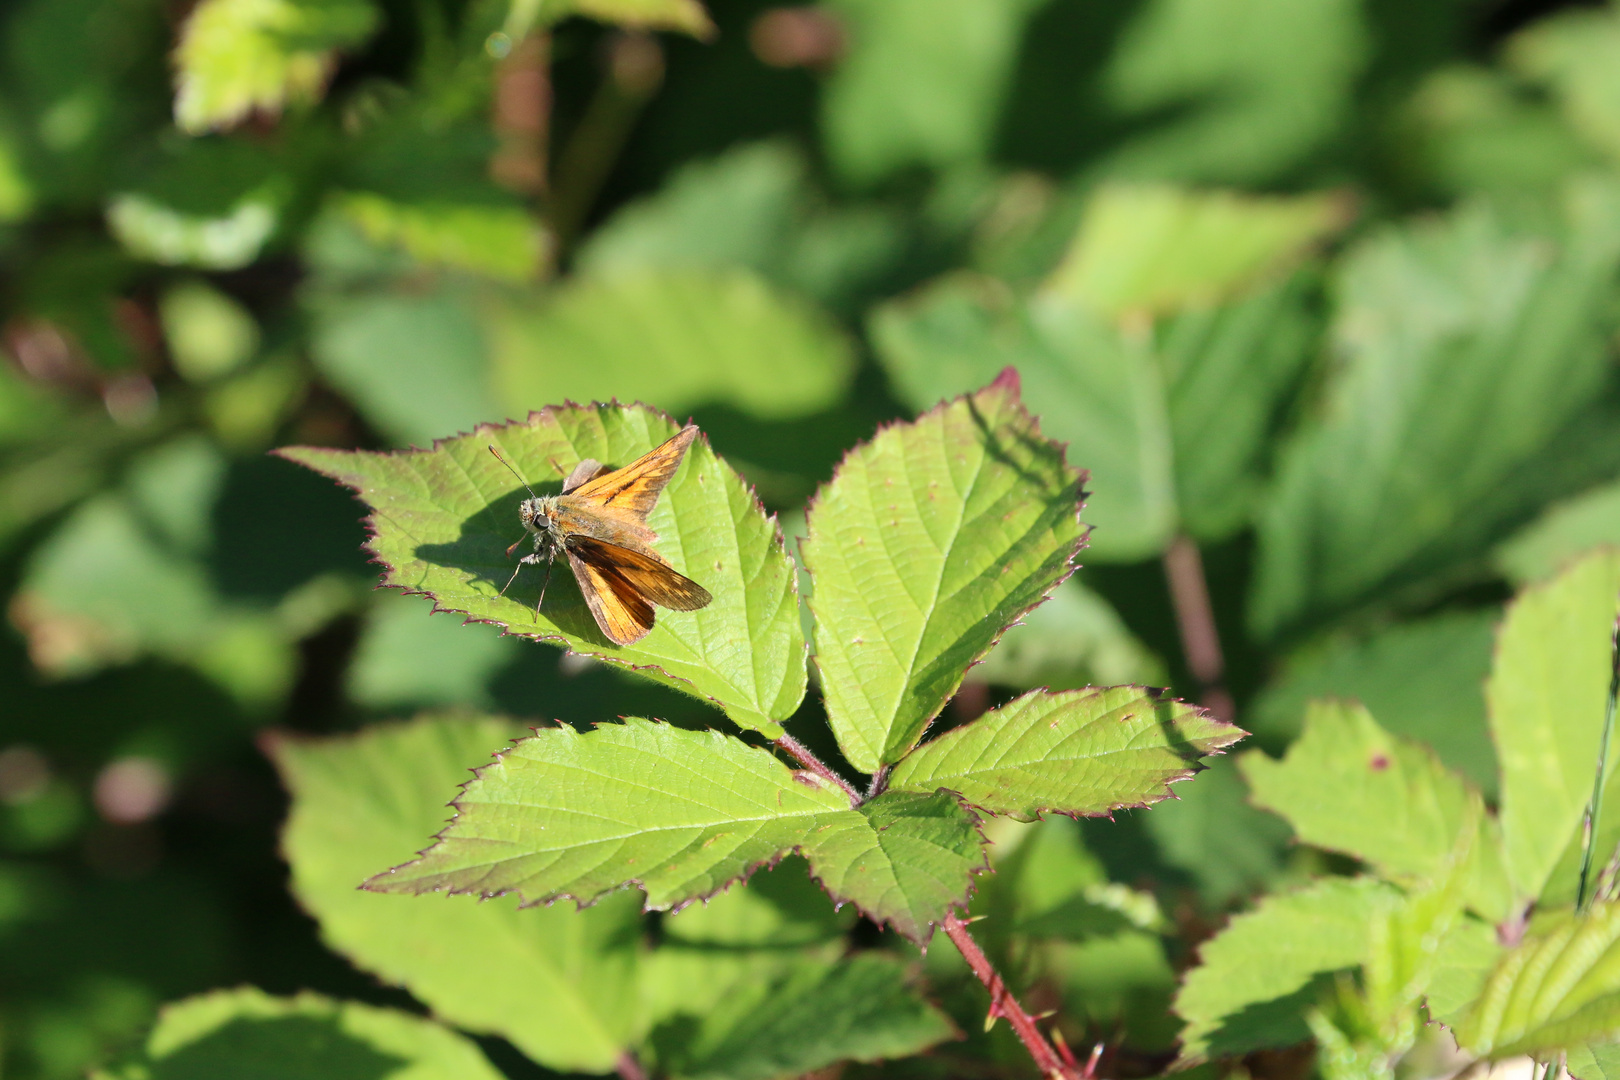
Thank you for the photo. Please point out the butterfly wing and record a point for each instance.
(635, 487)
(621, 585)
(583, 473)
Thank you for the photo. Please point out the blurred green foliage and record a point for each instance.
(1326, 286)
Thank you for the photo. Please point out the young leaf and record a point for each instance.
(1547, 696)
(553, 981)
(903, 858)
(247, 1032)
(240, 56)
(812, 1015)
(928, 543)
(680, 813)
(1556, 989)
(442, 519)
(1348, 785)
(1243, 994)
(1078, 752)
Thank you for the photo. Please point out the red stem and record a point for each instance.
(1003, 1003)
(629, 1068)
(803, 755)
(1195, 618)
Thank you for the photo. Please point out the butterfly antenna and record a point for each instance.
(515, 473)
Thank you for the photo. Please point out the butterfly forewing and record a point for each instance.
(635, 487)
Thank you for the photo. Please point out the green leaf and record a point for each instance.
(237, 57)
(810, 1016)
(1055, 888)
(1556, 989)
(443, 519)
(678, 338)
(406, 657)
(209, 334)
(1083, 752)
(903, 858)
(1150, 249)
(500, 241)
(1211, 832)
(551, 980)
(1075, 639)
(1349, 786)
(1097, 391)
(1244, 993)
(1573, 55)
(1423, 679)
(413, 362)
(684, 15)
(1239, 104)
(1563, 532)
(928, 542)
(680, 813)
(921, 84)
(1466, 350)
(246, 1032)
(1467, 955)
(1593, 1060)
(1547, 696)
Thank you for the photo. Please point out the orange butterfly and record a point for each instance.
(600, 522)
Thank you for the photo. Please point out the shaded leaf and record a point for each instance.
(680, 338)
(1556, 989)
(929, 542)
(1151, 249)
(811, 1016)
(1096, 390)
(1573, 54)
(1348, 785)
(921, 84)
(233, 1032)
(1423, 679)
(407, 657)
(1075, 639)
(1467, 349)
(1244, 993)
(442, 520)
(1547, 696)
(237, 57)
(1077, 752)
(903, 858)
(1563, 532)
(1593, 1060)
(551, 980)
(1211, 832)
(680, 813)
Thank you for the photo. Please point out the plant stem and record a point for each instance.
(1003, 1003)
(1594, 809)
(1195, 618)
(629, 1068)
(803, 755)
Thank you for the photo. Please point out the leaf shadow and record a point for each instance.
(304, 1046)
(479, 552)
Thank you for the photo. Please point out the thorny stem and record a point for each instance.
(1195, 618)
(1004, 1004)
(629, 1068)
(803, 755)
(1594, 809)
(879, 784)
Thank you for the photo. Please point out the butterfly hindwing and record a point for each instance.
(622, 613)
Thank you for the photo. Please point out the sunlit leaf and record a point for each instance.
(226, 1032)
(929, 542)
(1573, 54)
(237, 57)
(552, 980)
(443, 518)
(1075, 639)
(1084, 752)
(685, 15)
(1349, 786)
(501, 241)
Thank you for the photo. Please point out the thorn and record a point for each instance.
(990, 1018)
(1091, 1063)
(1047, 1015)
(973, 919)
(1062, 1045)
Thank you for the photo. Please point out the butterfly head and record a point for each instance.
(539, 514)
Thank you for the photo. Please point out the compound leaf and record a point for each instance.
(1078, 752)
(929, 542)
(1348, 785)
(552, 981)
(442, 519)
(562, 814)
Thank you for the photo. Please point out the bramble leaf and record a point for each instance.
(680, 813)
(1349, 786)
(1546, 699)
(926, 545)
(903, 858)
(1561, 534)
(810, 1016)
(247, 1032)
(1244, 993)
(1556, 989)
(239, 56)
(553, 981)
(1078, 752)
(442, 519)
(684, 15)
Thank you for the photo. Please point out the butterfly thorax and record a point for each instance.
(557, 520)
